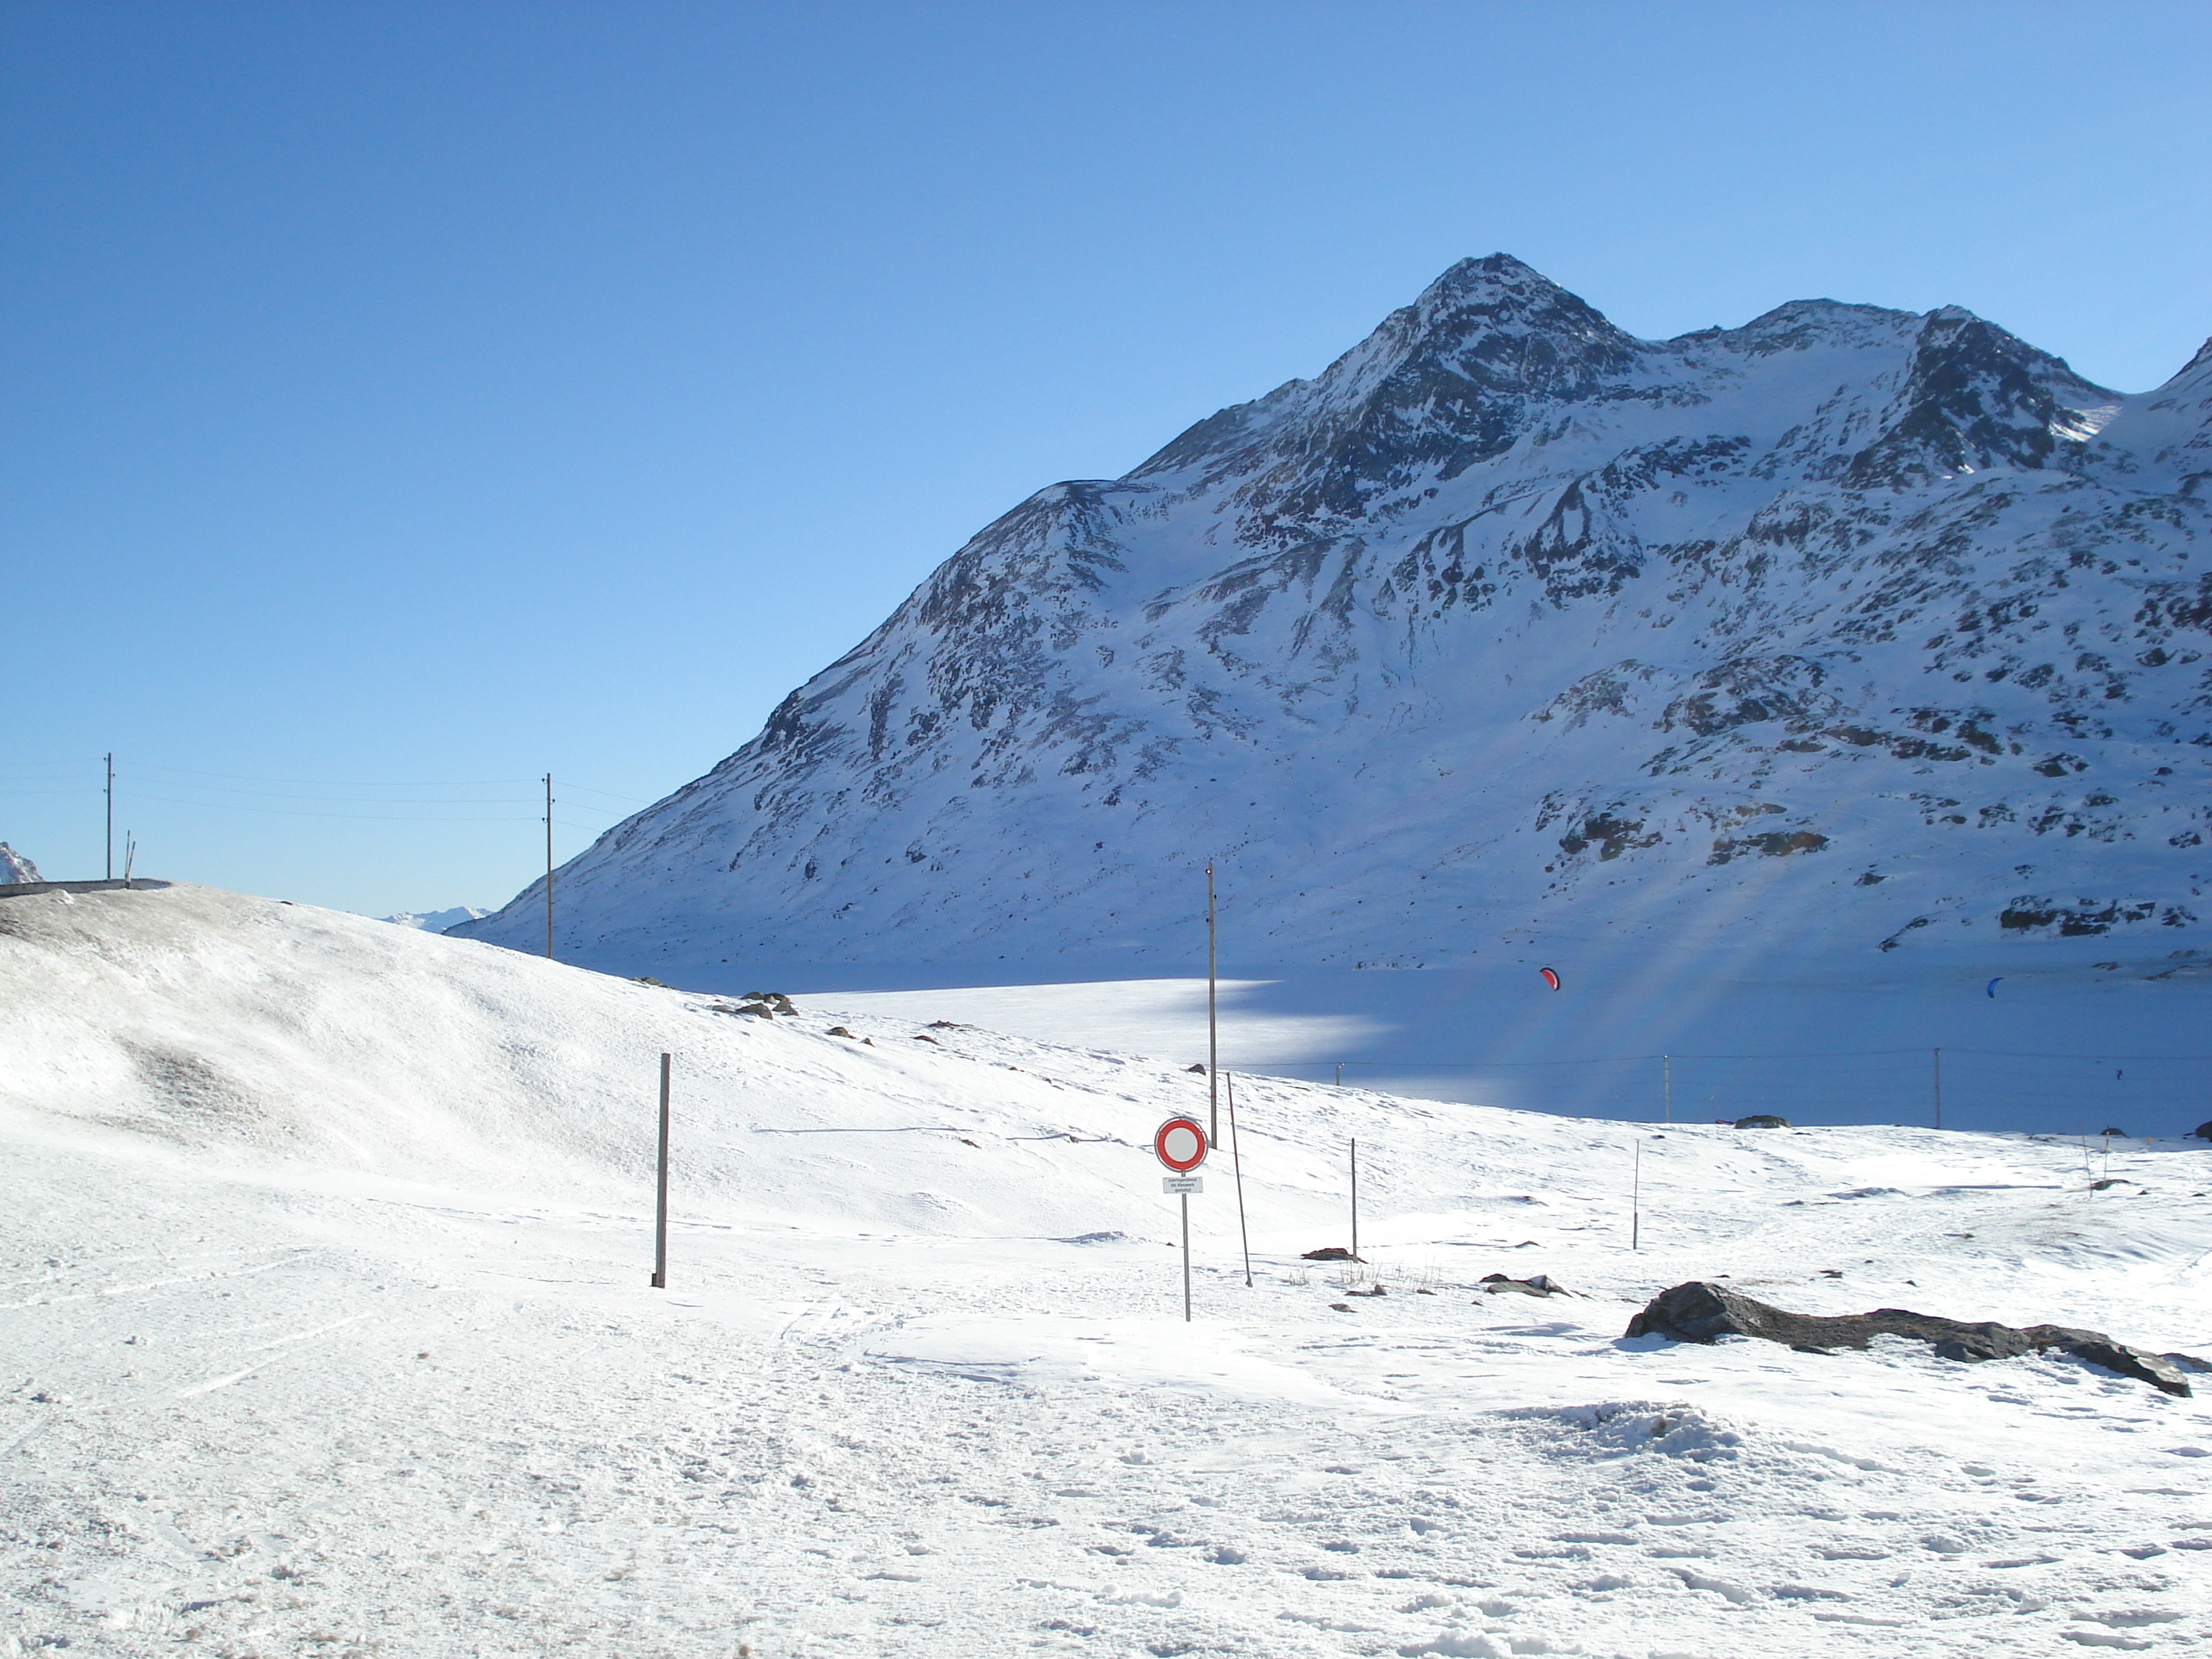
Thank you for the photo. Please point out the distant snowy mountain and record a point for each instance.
(436, 922)
(15, 867)
(1845, 631)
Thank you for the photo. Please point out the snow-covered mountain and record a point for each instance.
(15, 867)
(436, 922)
(1848, 630)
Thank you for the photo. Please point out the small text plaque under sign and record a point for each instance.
(1182, 1183)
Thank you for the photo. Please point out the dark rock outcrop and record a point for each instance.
(1762, 1121)
(1701, 1312)
(1534, 1285)
(1330, 1253)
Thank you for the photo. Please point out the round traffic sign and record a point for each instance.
(1180, 1142)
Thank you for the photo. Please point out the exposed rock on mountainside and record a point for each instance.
(1859, 627)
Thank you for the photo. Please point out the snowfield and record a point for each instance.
(326, 1329)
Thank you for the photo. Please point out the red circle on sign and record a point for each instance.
(1180, 1142)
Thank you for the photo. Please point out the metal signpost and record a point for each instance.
(661, 1206)
(1180, 1144)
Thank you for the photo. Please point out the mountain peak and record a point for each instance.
(1506, 625)
(1454, 377)
(1498, 294)
(1497, 273)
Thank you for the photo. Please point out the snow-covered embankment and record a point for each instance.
(325, 1322)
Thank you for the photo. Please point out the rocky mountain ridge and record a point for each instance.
(1849, 629)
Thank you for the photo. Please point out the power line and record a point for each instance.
(1629, 1060)
(346, 783)
(341, 800)
(362, 818)
(609, 794)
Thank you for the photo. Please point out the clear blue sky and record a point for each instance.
(413, 394)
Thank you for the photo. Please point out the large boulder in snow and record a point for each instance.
(1702, 1312)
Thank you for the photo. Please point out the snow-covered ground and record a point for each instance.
(920, 1384)
(2063, 1050)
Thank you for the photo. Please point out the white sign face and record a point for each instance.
(1182, 1183)
(1180, 1142)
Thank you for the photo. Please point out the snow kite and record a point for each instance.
(1550, 978)
(1991, 987)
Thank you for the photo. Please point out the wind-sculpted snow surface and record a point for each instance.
(1847, 624)
(324, 1327)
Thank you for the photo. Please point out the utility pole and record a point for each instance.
(111, 815)
(549, 867)
(1938, 1054)
(1213, 1034)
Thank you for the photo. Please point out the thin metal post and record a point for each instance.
(1340, 1074)
(1212, 1033)
(1236, 1162)
(660, 1208)
(1667, 1084)
(1186, 1258)
(1355, 1200)
(1938, 1053)
(111, 815)
(1636, 1201)
(549, 867)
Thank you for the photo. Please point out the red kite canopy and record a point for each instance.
(1551, 979)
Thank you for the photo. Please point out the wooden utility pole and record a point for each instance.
(1213, 1034)
(111, 815)
(549, 867)
(660, 1207)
